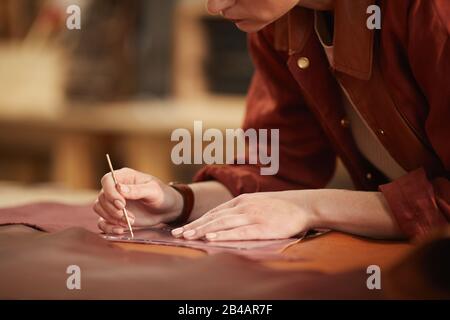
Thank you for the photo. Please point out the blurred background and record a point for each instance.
(136, 70)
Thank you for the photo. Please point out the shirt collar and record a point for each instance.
(353, 41)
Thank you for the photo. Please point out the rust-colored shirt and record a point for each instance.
(398, 79)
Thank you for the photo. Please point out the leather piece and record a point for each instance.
(256, 250)
(33, 266)
(53, 217)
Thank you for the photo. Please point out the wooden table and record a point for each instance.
(333, 252)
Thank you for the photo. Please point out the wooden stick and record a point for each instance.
(125, 213)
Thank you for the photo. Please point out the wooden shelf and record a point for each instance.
(138, 132)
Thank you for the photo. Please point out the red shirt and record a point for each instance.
(397, 77)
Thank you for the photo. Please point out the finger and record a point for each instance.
(151, 191)
(220, 224)
(248, 232)
(216, 6)
(188, 230)
(109, 207)
(109, 227)
(226, 205)
(113, 212)
(131, 176)
(106, 216)
(110, 189)
(212, 214)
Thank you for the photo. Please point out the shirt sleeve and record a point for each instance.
(420, 200)
(274, 101)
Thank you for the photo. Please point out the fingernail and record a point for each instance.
(189, 233)
(211, 236)
(118, 230)
(119, 204)
(124, 188)
(177, 231)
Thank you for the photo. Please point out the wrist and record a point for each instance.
(322, 217)
(310, 209)
(184, 202)
(178, 204)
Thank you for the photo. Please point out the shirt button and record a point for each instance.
(345, 123)
(369, 176)
(381, 132)
(303, 63)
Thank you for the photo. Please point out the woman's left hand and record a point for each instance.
(257, 216)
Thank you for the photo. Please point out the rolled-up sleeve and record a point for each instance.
(418, 204)
(274, 101)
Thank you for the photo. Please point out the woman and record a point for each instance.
(377, 99)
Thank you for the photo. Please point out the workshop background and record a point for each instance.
(135, 71)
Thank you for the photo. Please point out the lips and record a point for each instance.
(234, 20)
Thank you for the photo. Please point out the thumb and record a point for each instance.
(149, 191)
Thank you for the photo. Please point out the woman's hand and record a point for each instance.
(284, 214)
(148, 201)
(258, 216)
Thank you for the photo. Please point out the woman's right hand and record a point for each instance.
(148, 201)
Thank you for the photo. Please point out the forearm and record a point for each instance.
(356, 212)
(208, 195)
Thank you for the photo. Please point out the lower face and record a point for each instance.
(249, 26)
(252, 16)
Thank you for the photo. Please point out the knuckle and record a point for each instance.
(96, 206)
(106, 196)
(125, 170)
(208, 214)
(218, 223)
(243, 197)
(105, 178)
(222, 220)
(213, 216)
(103, 199)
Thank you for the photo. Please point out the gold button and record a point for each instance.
(369, 176)
(303, 63)
(381, 132)
(345, 123)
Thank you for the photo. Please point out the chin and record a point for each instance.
(249, 27)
